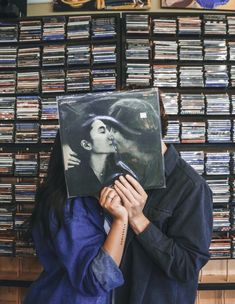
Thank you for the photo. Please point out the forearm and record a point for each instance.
(115, 241)
(139, 223)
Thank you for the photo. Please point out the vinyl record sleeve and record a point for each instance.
(105, 135)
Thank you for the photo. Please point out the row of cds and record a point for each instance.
(198, 104)
(180, 49)
(205, 24)
(28, 107)
(212, 163)
(221, 219)
(80, 27)
(222, 247)
(223, 241)
(210, 131)
(27, 132)
(25, 164)
(12, 246)
(58, 80)
(58, 28)
(34, 107)
(172, 75)
(209, 163)
(56, 55)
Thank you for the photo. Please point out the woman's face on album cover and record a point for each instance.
(101, 138)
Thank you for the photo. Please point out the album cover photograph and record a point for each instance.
(105, 135)
(199, 4)
(125, 4)
(75, 5)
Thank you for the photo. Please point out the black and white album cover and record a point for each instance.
(105, 135)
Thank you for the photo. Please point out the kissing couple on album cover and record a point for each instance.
(104, 135)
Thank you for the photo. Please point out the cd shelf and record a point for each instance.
(190, 60)
(174, 51)
(41, 58)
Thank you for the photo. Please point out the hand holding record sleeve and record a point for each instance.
(134, 199)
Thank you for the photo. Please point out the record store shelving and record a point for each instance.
(190, 57)
(40, 58)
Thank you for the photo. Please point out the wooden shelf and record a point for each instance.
(19, 269)
(216, 286)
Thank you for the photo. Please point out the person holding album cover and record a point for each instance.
(125, 244)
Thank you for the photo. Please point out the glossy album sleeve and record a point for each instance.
(105, 135)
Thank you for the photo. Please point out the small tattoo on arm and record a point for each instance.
(123, 234)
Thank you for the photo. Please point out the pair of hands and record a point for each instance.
(126, 199)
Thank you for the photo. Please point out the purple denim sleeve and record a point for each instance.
(78, 246)
(107, 271)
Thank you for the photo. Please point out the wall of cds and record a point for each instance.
(190, 57)
(41, 58)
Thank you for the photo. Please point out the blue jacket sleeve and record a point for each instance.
(78, 244)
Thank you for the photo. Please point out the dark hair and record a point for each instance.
(164, 117)
(51, 195)
(78, 131)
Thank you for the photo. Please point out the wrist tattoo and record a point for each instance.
(123, 234)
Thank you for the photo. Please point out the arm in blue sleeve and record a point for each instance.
(78, 246)
(184, 249)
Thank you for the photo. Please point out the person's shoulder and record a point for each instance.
(81, 206)
(188, 175)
